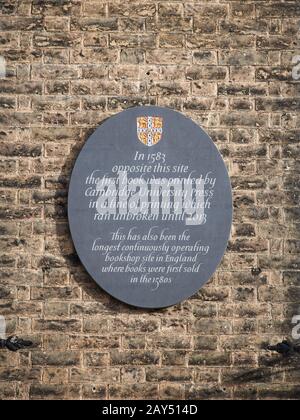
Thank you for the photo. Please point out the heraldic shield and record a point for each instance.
(150, 130)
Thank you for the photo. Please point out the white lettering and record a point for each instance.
(158, 197)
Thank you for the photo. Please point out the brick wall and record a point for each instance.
(70, 65)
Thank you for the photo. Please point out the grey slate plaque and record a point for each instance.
(150, 207)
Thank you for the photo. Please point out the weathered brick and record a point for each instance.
(7, 103)
(56, 359)
(202, 310)
(21, 23)
(157, 342)
(249, 245)
(49, 392)
(56, 103)
(202, 26)
(8, 8)
(135, 343)
(244, 27)
(209, 72)
(53, 8)
(32, 182)
(56, 40)
(29, 277)
(212, 11)
(56, 55)
(130, 25)
(209, 359)
(236, 58)
(94, 342)
(25, 375)
(278, 263)
(243, 119)
(126, 102)
(278, 136)
(94, 24)
(210, 294)
(171, 391)
(18, 119)
(211, 327)
(167, 56)
(10, 87)
(69, 325)
(24, 150)
(7, 166)
(169, 374)
(96, 359)
(56, 310)
(174, 358)
(203, 343)
(130, 324)
(277, 392)
(275, 43)
(273, 74)
(136, 358)
(41, 71)
(7, 391)
(166, 89)
(290, 104)
(94, 55)
(133, 392)
(208, 393)
(133, 9)
(168, 41)
(90, 392)
(276, 9)
(171, 23)
(244, 310)
(20, 57)
(95, 375)
(55, 293)
(19, 245)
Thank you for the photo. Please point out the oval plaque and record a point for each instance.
(150, 207)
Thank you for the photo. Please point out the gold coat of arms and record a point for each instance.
(149, 130)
